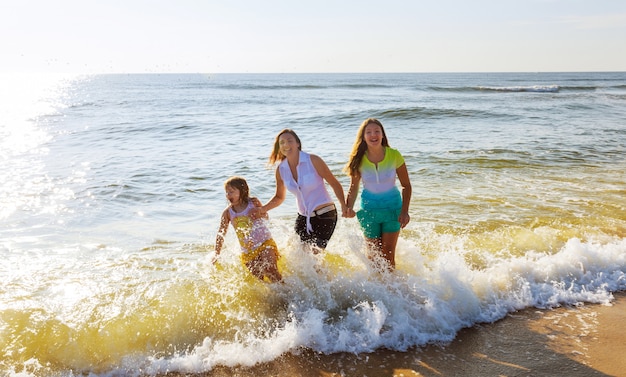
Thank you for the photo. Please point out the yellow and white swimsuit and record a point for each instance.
(253, 235)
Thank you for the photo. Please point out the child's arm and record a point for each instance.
(221, 232)
(353, 191)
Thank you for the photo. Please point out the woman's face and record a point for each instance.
(373, 135)
(288, 144)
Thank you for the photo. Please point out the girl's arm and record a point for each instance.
(221, 232)
(324, 172)
(353, 191)
(407, 190)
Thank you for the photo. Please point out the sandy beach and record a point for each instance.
(567, 341)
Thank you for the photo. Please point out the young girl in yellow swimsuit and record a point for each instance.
(258, 250)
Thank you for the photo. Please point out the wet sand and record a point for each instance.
(570, 341)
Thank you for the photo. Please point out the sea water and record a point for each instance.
(111, 189)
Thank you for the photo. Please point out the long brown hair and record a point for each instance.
(240, 184)
(360, 146)
(276, 155)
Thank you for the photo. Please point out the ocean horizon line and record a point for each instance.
(307, 73)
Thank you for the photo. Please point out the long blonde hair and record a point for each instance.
(360, 146)
(276, 155)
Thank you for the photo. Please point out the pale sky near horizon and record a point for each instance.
(210, 36)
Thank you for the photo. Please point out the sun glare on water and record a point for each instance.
(25, 99)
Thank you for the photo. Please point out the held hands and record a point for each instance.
(347, 212)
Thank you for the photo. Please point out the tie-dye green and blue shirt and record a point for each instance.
(381, 178)
(379, 182)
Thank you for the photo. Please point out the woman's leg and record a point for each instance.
(323, 228)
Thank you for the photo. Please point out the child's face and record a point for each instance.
(373, 135)
(233, 195)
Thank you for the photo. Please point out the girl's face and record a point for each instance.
(288, 144)
(373, 135)
(233, 195)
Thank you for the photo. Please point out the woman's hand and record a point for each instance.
(257, 213)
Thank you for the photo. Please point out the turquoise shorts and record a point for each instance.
(380, 213)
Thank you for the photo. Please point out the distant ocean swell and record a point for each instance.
(252, 85)
(552, 88)
(528, 88)
(425, 113)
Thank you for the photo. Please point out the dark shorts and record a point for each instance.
(323, 227)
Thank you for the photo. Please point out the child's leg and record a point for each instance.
(388, 248)
(254, 269)
(269, 262)
(266, 265)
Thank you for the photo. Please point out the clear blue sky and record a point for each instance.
(212, 36)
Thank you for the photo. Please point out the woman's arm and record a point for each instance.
(279, 195)
(257, 203)
(324, 172)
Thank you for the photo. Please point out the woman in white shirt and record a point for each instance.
(303, 175)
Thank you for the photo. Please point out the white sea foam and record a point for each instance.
(368, 311)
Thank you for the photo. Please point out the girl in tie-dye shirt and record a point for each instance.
(384, 209)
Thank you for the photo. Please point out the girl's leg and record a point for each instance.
(255, 267)
(270, 263)
(388, 248)
(375, 248)
(266, 265)
(384, 244)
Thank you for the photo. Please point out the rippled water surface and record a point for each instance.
(111, 191)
